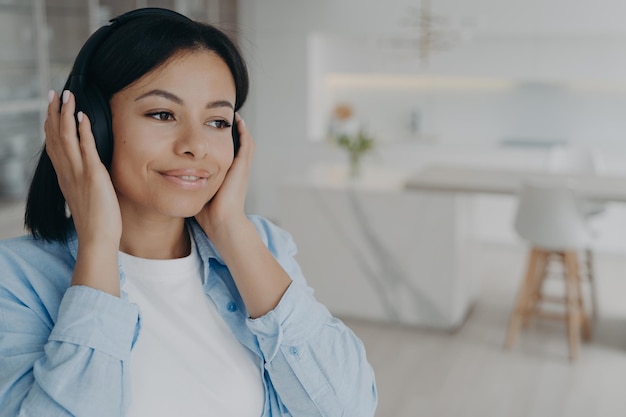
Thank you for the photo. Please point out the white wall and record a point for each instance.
(529, 111)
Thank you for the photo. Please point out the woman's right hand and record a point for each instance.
(88, 191)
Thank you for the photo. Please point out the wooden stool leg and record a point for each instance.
(521, 305)
(536, 285)
(582, 311)
(573, 313)
(592, 284)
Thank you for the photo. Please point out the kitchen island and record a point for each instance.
(373, 250)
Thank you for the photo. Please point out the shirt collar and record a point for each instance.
(205, 246)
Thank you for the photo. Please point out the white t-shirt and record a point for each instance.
(186, 362)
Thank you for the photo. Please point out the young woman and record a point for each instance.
(144, 289)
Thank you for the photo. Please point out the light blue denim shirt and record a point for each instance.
(64, 350)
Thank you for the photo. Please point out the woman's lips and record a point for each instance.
(188, 179)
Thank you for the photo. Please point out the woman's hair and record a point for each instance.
(129, 52)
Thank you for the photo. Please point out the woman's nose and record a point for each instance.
(192, 141)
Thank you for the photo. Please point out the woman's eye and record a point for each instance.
(162, 115)
(220, 124)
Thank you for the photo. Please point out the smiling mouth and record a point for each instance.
(186, 181)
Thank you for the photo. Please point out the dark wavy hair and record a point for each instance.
(129, 52)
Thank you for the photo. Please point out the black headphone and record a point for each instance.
(90, 100)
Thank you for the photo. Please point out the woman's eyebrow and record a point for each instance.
(219, 103)
(173, 97)
(161, 93)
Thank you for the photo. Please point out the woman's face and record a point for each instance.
(172, 137)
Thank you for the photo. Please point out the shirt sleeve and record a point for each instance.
(316, 364)
(50, 372)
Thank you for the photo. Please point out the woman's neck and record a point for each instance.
(155, 239)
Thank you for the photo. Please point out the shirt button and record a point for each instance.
(232, 306)
(294, 351)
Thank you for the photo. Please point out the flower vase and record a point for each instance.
(355, 165)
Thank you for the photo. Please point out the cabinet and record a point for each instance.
(44, 38)
(45, 35)
(21, 84)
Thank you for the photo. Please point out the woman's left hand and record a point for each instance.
(260, 279)
(226, 208)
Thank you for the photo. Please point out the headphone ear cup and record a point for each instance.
(235, 132)
(90, 101)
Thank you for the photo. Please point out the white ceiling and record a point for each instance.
(503, 17)
(566, 17)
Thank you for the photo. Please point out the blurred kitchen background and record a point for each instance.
(465, 100)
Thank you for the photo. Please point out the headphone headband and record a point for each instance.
(98, 37)
(152, 11)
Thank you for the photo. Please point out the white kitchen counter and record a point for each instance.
(372, 250)
(449, 178)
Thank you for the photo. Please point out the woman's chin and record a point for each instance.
(192, 213)
(187, 210)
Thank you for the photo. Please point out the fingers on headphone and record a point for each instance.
(67, 131)
(59, 136)
(53, 103)
(52, 118)
(245, 138)
(68, 123)
(87, 141)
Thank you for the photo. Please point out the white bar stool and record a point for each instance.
(550, 219)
